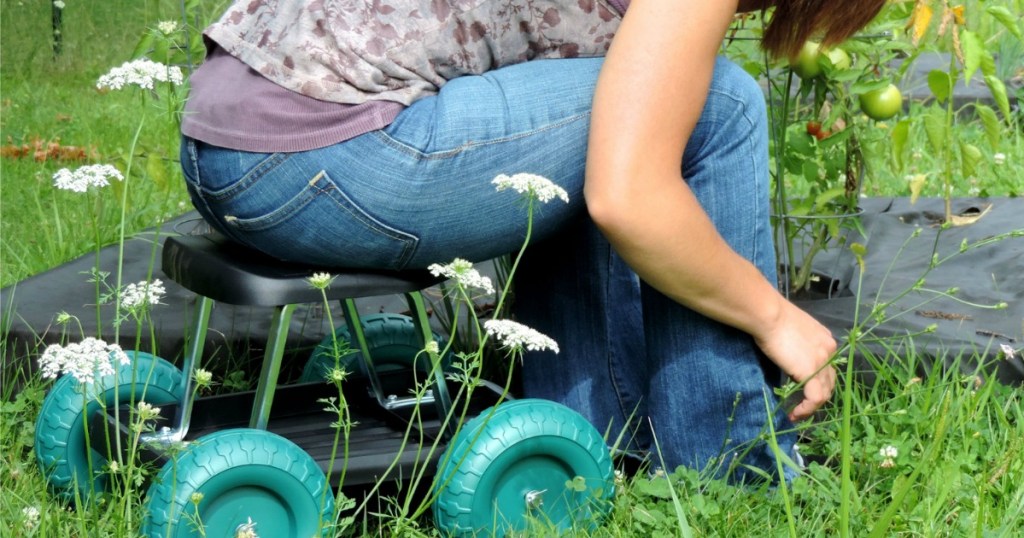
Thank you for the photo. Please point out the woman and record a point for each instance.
(366, 134)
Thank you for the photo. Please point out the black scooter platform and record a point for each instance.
(377, 436)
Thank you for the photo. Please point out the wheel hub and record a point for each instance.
(535, 499)
(246, 530)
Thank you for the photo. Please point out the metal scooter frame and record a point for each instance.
(277, 337)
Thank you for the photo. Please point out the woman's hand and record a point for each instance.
(802, 348)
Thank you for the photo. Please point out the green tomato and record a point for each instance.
(839, 58)
(883, 103)
(805, 64)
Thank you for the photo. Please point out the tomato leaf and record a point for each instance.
(998, 89)
(973, 48)
(993, 131)
(940, 84)
(823, 199)
(900, 133)
(970, 156)
(935, 128)
(865, 86)
(811, 172)
(1008, 20)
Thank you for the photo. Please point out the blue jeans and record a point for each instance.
(419, 192)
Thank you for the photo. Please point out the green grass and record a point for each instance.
(960, 442)
(49, 99)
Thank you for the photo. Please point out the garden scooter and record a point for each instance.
(267, 461)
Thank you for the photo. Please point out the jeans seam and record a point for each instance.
(448, 153)
(752, 126)
(252, 176)
(752, 153)
(314, 190)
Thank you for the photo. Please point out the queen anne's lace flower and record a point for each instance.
(531, 185)
(142, 293)
(84, 360)
(142, 73)
(31, 517)
(516, 336)
(83, 177)
(889, 454)
(146, 411)
(320, 281)
(464, 273)
(167, 27)
(204, 378)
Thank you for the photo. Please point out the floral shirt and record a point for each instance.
(353, 51)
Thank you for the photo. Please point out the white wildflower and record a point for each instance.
(432, 347)
(204, 378)
(531, 185)
(83, 177)
(84, 360)
(337, 375)
(464, 273)
(167, 27)
(999, 159)
(142, 73)
(1008, 351)
(889, 454)
(320, 281)
(516, 336)
(58, 4)
(31, 516)
(142, 293)
(147, 411)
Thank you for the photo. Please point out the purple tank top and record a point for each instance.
(232, 106)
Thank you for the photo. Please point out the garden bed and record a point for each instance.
(894, 262)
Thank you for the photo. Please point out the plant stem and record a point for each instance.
(123, 225)
(947, 179)
(846, 458)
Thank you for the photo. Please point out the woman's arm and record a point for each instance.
(649, 97)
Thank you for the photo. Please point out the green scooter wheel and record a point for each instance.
(239, 479)
(525, 462)
(71, 468)
(392, 339)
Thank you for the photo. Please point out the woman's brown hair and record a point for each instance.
(796, 21)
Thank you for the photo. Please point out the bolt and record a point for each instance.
(535, 499)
